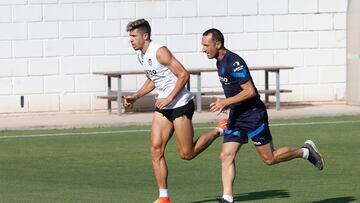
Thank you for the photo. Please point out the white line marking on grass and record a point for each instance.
(74, 133)
(148, 130)
(316, 123)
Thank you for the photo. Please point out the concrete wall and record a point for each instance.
(49, 48)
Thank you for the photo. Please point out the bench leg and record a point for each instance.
(266, 101)
(108, 93)
(119, 95)
(109, 105)
(198, 93)
(277, 94)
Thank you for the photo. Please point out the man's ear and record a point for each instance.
(218, 44)
(146, 36)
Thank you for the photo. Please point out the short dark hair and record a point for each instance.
(141, 24)
(216, 36)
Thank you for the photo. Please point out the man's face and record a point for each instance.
(137, 39)
(210, 47)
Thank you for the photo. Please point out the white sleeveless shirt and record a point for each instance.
(164, 80)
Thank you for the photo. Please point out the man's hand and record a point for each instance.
(128, 101)
(161, 103)
(218, 106)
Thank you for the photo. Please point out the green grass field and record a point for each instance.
(113, 165)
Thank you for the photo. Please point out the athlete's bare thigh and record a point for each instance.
(266, 151)
(161, 130)
(184, 133)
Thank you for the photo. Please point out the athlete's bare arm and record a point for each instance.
(165, 58)
(248, 92)
(147, 87)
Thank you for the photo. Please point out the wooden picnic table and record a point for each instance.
(116, 95)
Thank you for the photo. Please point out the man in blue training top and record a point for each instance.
(248, 116)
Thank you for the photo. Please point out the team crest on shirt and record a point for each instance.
(150, 62)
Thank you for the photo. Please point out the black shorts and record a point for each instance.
(172, 114)
(252, 124)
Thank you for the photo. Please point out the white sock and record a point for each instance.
(220, 131)
(228, 198)
(163, 193)
(305, 153)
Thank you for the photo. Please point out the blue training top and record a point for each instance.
(233, 72)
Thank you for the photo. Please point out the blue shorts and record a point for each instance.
(251, 124)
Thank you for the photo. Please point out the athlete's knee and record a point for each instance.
(156, 151)
(227, 157)
(186, 155)
(269, 160)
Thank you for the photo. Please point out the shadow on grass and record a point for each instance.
(262, 195)
(337, 200)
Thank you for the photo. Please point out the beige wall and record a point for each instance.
(49, 48)
(353, 53)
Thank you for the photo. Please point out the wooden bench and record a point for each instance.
(116, 95)
(268, 92)
(113, 97)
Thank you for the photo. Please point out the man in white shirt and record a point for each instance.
(174, 106)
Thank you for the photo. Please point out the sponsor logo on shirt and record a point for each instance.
(224, 80)
(150, 72)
